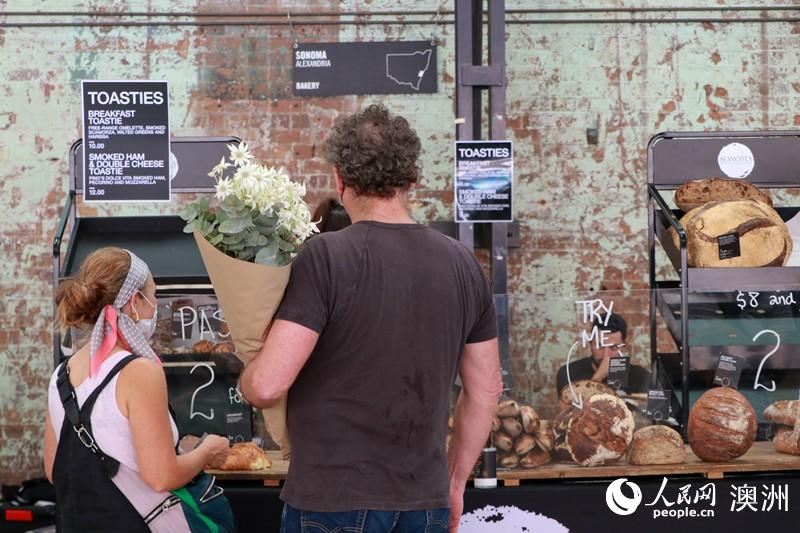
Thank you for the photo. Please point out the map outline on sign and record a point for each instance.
(421, 73)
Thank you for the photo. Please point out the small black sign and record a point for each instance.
(729, 370)
(126, 150)
(484, 185)
(658, 404)
(333, 69)
(618, 372)
(729, 246)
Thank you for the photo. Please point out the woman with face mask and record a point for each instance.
(112, 470)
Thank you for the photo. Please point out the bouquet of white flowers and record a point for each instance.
(247, 240)
(260, 214)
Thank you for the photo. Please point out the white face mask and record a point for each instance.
(148, 325)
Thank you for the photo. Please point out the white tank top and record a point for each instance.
(112, 433)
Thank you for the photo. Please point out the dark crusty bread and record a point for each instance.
(722, 425)
(693, 194)
(656, 445)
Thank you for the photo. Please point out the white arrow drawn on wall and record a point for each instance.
(577, 400)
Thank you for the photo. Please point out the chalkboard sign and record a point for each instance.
(202, 392)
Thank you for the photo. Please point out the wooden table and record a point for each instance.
(760, 458)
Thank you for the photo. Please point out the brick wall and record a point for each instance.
(581, 206)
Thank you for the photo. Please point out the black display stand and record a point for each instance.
(695, 299)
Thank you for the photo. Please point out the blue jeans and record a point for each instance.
(365, 521)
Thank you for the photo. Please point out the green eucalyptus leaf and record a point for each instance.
(234, 225)
(268, 255)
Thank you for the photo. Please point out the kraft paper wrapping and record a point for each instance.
(249, 295)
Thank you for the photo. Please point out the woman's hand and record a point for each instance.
(217, 449)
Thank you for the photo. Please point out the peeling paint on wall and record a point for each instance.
(581, 206)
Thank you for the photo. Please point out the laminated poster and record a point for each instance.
(484, 184)
(126, 145)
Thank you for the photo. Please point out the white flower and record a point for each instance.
(217, 171)
(224, 189)
(240, 155)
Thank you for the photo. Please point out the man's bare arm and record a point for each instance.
(477, 403)
(268, 377)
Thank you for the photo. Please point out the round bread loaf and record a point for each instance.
(600, 432)
(783, 412)
(657, 445)
(585, 388)
(695, 193)
(722, 425)
(786, 441)
(764, 239)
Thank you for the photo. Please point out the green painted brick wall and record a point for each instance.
(581, 206)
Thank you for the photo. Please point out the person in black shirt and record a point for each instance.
(595, 366)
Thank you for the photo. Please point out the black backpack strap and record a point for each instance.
(88, 405)
(79, 418)
(67, 394)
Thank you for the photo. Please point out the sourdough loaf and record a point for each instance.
(599, 433)
(585, 388)
(764, 239)
(787, 441)
(695, 193)
(656, 445)
(722, 425)
(782, 412)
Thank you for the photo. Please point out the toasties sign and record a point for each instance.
(332, 69)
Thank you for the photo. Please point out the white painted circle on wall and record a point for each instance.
(736, 161)
(173, 166)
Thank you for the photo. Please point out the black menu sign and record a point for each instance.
(331, 69)
(729, 370)
(618, 371)
(484, 181)
(125, 141)
(658, 404)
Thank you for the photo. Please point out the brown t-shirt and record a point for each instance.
(394, 305)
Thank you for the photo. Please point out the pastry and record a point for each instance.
(529, 418)
(203, 347)
(507, 408)
(246, 456)
(534, 458)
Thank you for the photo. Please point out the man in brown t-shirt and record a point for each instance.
(377, 320)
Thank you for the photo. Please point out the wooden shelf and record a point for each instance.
(760, 458)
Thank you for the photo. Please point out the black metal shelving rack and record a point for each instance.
(695, 296)
(174, 262)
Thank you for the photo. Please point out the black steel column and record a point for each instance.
(471, 78)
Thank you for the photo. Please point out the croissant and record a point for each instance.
(246, 456)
